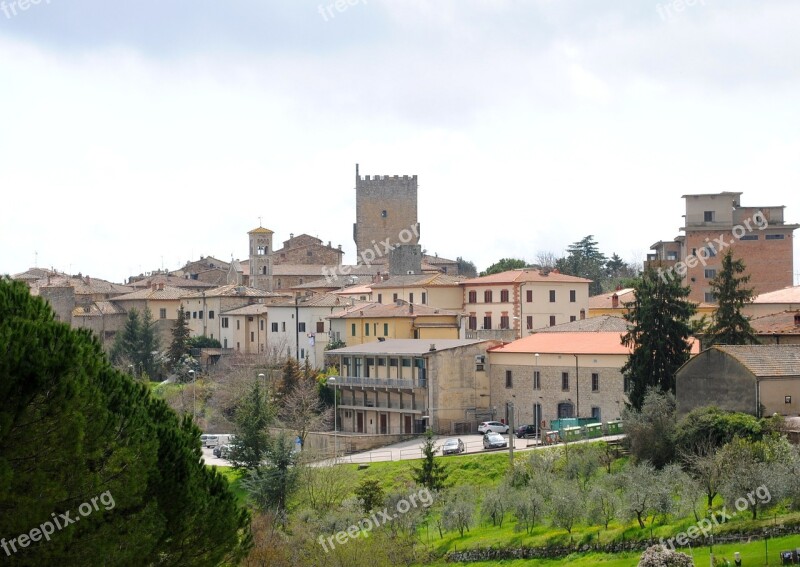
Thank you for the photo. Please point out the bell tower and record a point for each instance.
(261, 258)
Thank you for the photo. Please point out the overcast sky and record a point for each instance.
(136, 135)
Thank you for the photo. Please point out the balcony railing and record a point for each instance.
(350, 404)
(381, 382)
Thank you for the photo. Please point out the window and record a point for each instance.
(711, 252)
(708, 216)
(381, 362)
(572, 318)
(529, 321)
(709, 297)
(380, 298)
(504, 296)
(261, 324)
(237, 324)
(504, 321)
(352, 329)
(302, 327)
(672, 255)
(320, 326)
(394, 297)
(487, 322)
(787, 399)
(487, 296)
(774, 237)
(595, 382)
(411, 298)
(199, 314)
(162, 313)
(424, 298)
(406, 363)
(210, 314)
(596, 413)
(552, 320)
(749, 237)
(386, 329)
(384, 213)
(224, 322)
(473, 297)
(392, 362)
(710, 273)
(225, 343)
(366, 329)
(509, 382)
(572, 294)
(565, 381)
(552, 296)
(473, 322)
(537, 380)
(275, 327)
(252, 336)
(529, 296)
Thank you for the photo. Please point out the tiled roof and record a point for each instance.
(174, 281)
(785, 295)
(83, 285)
(567, 343)
(605, 300)
(254, 309)
(232, 290)
(525, 275)
(166, 294)
(405, 346)
(420, 280)
(335, 273)
(97, 309)
(354, 290)
(777, 324)
(375, 310)
(434, 260)
(766, 360)
(260, 230)
(603, 323)
(33, 274)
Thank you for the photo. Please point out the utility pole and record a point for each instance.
(511, 433)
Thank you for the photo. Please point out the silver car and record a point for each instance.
(494, 441)
(453, 447)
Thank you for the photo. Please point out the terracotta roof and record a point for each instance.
(174, 281)
(260, 230)
(84, 285)
(433, 260)
(354, 290)
(777, 324)
(785, 295)
(602, 323)
(766, 360)
(525, 275)
(33, 274)
(232, 290)
(567, 343)
(406, 346)
(254, 309)
(376, 310)
(99, 308)
(604, 300)
(165, 294)
(320, 271)
(420, 280)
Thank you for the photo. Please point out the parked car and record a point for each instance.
(494, 441)
(525, 431)
(494, 426)
(453, 446)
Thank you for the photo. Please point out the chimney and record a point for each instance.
(161, 287)
(797, 319)
(88, 281)
(411, 308)
(619, 287)
(432, 348)
(153, 286)
(385, 276)
(614, 301)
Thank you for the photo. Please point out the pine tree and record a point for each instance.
(252, 418)
(291, 375)
(126, 343)
(431, 473)
(149, 344)
(179, 347)
(659, 333)
(729, 326)
(584, 260)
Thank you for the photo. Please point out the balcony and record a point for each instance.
(406, 407)
(380, 382)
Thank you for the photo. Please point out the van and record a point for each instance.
(214, 439)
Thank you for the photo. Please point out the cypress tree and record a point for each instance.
(729, 326)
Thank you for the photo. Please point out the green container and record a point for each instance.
(613, 427)
(572, 434)
(594, 430)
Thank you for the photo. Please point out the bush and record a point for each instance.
(660, 556)
(711, 424)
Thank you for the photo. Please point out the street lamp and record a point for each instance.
(332, 379)
(261, 379)
(194, 396)
(426, 419)
(537, 407)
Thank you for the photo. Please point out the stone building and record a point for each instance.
(261, 260)
(386, 215)
(305, 249)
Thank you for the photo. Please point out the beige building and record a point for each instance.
(244, 329)
(401, 320)
(553, 375)
(388, 387)
(613, 303)
(778, 301)
(778, 329)
(757, 379)
(518, 301)
(203, 308)
(163, 301)
(435, 290)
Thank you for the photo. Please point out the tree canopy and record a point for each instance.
(729, 326)
(503, 265)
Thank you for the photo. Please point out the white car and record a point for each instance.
(494, 426)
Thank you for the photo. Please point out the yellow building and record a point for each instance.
(613, 303)
(163, 301)
(434, 290)
(399, 320)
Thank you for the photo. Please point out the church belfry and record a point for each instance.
(261, 258)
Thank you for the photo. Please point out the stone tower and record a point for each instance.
(261, 258)
(386, 208)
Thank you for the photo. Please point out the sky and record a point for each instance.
(136, 136)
